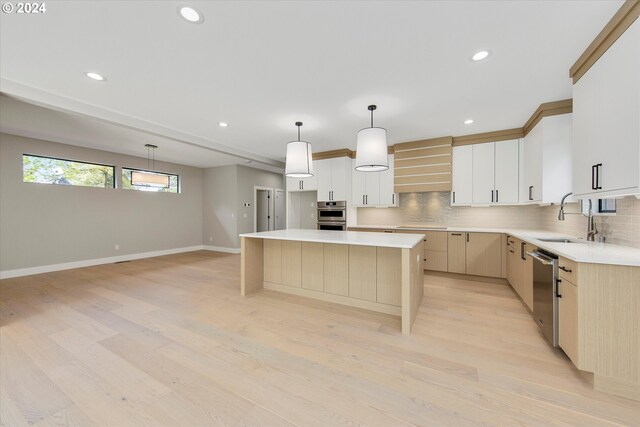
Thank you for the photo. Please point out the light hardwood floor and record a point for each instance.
(170, 341)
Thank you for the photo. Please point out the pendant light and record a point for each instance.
(299, 163)
(371, 151)
(149, 178)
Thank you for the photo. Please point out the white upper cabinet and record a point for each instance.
(462, 178)
(547, 161)
(371, 189)
(606, 131)
(506, 171)
(334, 179)
(387, 196)
(304, 184)
(483, 173)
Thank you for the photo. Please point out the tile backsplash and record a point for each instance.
(435, 209)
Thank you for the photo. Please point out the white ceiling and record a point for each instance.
(261, 66)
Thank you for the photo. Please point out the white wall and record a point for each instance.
(44, 224)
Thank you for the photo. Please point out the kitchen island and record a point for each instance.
(372, 271)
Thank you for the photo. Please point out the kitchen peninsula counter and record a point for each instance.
(373, 271)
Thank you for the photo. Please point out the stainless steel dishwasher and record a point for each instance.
(545, 293)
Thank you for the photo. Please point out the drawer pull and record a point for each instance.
(565, 269)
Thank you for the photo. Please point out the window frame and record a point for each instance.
(113, 167)
(178, 186)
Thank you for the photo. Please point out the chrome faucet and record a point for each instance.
(591, 225)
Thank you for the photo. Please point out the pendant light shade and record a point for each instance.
(371, 151)
(149, 178)
(299, 163)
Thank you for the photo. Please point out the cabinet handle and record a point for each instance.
(366, 198)
(393, 198)
(558, 288)
(497, 198)
(467, 237)
(522, 245)
(512, 251)
(598, 186)
(454, 197)
(593, 177)
(363, 199)
(531, 192)
(491, 196)
(563, 268)
(456, 234)
(302, 184)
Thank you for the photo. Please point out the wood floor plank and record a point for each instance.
(169, 341)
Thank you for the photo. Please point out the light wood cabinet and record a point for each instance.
(388, 270)
(527, 277)
(291, 263)
(313, 266)
(606, 132)
(336, 269)
(272, 260)
(362, 272)
(456, 253)
(568, 319)
(484, 254)
(520, 269)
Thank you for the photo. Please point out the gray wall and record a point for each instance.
(220, 206)
(226, 190)
(50, 224)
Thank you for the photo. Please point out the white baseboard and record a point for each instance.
(222, 249)
(8, 274)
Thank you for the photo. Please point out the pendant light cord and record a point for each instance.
(372, 118)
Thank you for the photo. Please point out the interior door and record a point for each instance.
(262, 210)
(279, 210)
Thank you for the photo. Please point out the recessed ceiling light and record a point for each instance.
(479, 56)
(190, 14)
(223, 124)
(468, 121)
(95, 76)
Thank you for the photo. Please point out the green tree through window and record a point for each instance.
(47, 170)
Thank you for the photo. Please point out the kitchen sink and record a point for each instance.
(558, 240)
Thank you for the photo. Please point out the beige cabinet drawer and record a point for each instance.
(568, 270)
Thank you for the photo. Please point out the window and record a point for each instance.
(49, 170)
(149, 181)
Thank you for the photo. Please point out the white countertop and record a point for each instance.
(360, 238)
(588, 252)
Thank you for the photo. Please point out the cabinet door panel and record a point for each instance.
(389, 274)
(372, 188)
(387, 196)
(291, 263)
(324, 179)
(506, 171)
(359, 187)
(483, 173)
(336, 269)
(484, 254)
(272, 261)
(362, 272)
(340, 177)
(313, 266)
(456, 258)
(568, 319)
(462, 178)
(309, 184)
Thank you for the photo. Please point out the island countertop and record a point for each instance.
(391, 240)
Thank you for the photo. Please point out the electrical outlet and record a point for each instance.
(117, 247)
